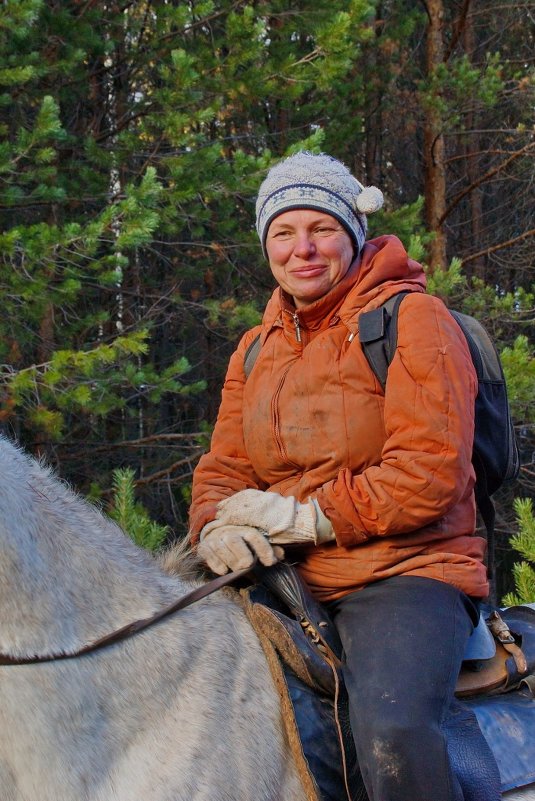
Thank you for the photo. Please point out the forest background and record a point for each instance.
(133, 138)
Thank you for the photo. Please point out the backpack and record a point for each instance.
(495, 453)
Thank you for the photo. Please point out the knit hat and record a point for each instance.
(309, 181)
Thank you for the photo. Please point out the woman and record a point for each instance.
(372, 491)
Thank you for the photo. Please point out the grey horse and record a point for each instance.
(186, 710)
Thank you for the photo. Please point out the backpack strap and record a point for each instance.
(485, 506)
(378, 335)
(251, 355)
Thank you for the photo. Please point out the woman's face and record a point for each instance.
(309, 252)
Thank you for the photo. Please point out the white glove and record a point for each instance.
(285, 520)
(225, 548)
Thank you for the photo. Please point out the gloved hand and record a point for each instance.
(225, 548)
(285, 520)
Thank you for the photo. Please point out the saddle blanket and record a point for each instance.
(316, 715)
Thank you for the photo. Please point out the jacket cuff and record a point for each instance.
(344, 533)
(198, 522)
(304, 525)
(324, 528)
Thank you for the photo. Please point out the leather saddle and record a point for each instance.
(304, 653)
(495, 660)
(499, 664)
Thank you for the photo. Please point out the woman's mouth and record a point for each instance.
(309, 270)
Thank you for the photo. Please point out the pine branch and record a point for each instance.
(486, 177)
(499, 246)
(131, 516)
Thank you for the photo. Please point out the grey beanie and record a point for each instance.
(309, 181)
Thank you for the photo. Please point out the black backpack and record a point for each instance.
(495, 453)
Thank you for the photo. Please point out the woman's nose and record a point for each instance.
(304, 245)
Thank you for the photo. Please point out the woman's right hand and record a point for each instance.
(224, 547)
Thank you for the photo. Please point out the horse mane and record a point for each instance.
(180, 560)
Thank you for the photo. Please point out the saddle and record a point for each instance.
(494, 660)
(305, 654)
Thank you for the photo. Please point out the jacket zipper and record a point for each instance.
(297, 327)
(275, 417)
(275, 398)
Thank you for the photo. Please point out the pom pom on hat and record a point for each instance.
(321, 182)
(370, 200)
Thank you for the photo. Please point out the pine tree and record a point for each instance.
(131, 515)
(134, 141)
(524, 543)
(134, 138)
(75, 358)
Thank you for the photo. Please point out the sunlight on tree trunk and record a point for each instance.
(434, 146)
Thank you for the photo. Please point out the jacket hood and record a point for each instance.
(384, 269)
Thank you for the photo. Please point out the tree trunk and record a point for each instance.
(434, 146)
(373, 113)
(477, 267)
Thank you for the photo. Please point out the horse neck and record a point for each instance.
(68, 575)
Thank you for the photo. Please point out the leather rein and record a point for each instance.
(133, 628)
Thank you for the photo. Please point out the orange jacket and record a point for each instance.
(393, 472)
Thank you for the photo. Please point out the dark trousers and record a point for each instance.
(404, 640)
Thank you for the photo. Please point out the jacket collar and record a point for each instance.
(383, 269)
(319, 315)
